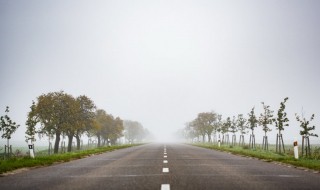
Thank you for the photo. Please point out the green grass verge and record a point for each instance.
(268, 156)
(26, 161)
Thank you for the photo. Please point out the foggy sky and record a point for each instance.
(163, 62)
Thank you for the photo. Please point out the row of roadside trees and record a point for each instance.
(58, 114)
(135, 132)
(61, 114)
(211, 124)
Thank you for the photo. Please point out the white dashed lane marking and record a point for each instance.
(165, 170)
(165, 186)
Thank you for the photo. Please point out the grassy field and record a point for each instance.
(269, 156)
(46, 160)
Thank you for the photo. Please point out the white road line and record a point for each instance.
(165, 170)
(164, 153)
(165, 186)
(112, 176)
(165, 156)
(165, 161)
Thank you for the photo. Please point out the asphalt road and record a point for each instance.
(145, 167)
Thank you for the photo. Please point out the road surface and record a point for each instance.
(164, 166)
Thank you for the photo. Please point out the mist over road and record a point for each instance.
(163, 166)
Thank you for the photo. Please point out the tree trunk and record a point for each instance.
(209, 137)
(70, 137)
(99, 140)
(308, 150)
(302, 146)
(56, 143)
(203, 138)
(78, 142)
(8, 147)
(279, 143)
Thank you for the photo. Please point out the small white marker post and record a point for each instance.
(31, 146)
(295, 149)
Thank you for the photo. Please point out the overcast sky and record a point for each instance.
(163, 62)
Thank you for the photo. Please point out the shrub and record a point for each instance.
(316, 153)
(18, 153)
(246, 147)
